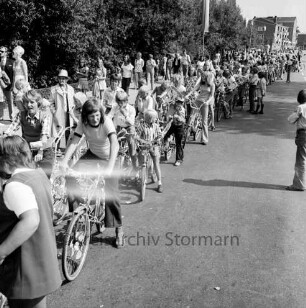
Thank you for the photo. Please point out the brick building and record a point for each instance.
(269, 34)
(301, 40)
(291, 23)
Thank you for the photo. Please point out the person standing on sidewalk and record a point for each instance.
(139, 64)
(253, 80)
(288, 68)
(150, 67)
(186, 62)
(7, 67)
(299, 118)
(127, 74)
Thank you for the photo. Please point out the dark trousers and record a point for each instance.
(39, 302)
(178, 132)
(126, 84)
(241, 93)
(288, 74)
(112, 203)
(9, 100)
(252, 92)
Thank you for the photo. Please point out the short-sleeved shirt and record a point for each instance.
(120, 119)
(19, 197)
(97, 137)
(127, 70)
(110, 96)
(145, 104)
(299, 117)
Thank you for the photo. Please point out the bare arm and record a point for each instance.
(196, 87)
(114, 148)
(70, 150)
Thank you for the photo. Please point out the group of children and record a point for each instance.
(175, 113)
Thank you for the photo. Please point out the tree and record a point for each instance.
(55, 34)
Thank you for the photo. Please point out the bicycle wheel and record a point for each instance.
(219, 111)
(169, 149)
(143, 182)
(151, 171)
(100, 210)
(197, 127)
(60, 209)
(76, 245)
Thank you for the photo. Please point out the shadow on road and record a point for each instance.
(226, 183)
(279, 104)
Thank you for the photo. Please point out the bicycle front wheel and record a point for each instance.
(197, 128)
(143, 182)
(219, 111)
(76, 245)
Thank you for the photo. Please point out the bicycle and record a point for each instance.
(220, 106)
(146, 169)
(167, 148)
(124, 160)
(58, 180)
(90, 211)
(194, 125)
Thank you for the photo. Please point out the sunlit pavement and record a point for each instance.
(224, 233)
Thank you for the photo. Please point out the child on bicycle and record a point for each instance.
(149, 132)
(144, 102)
(177, 128)
(160, 91)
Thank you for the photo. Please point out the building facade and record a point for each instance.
(291, 23)
(268, 34)
(301, 41)
(276, 32)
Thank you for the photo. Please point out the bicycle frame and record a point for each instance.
(90, 211)
(90, 185)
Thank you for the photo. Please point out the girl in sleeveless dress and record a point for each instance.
(20, 67)
(206, 86)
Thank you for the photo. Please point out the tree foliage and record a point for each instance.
(55, 34)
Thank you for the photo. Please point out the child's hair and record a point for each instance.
(144, 90)
(150, 115)
(261, 75)
(98, 72)
(19, 50)
(80, 98)
(21, 84)
(301, 98)
(142, 82)
(32, 95)
(44, 105)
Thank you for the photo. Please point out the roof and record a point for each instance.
(264, 19)
(286, 19)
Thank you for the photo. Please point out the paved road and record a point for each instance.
(231, 190)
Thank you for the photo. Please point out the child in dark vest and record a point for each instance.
(177, 128)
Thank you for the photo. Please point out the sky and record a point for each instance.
(281, 8)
